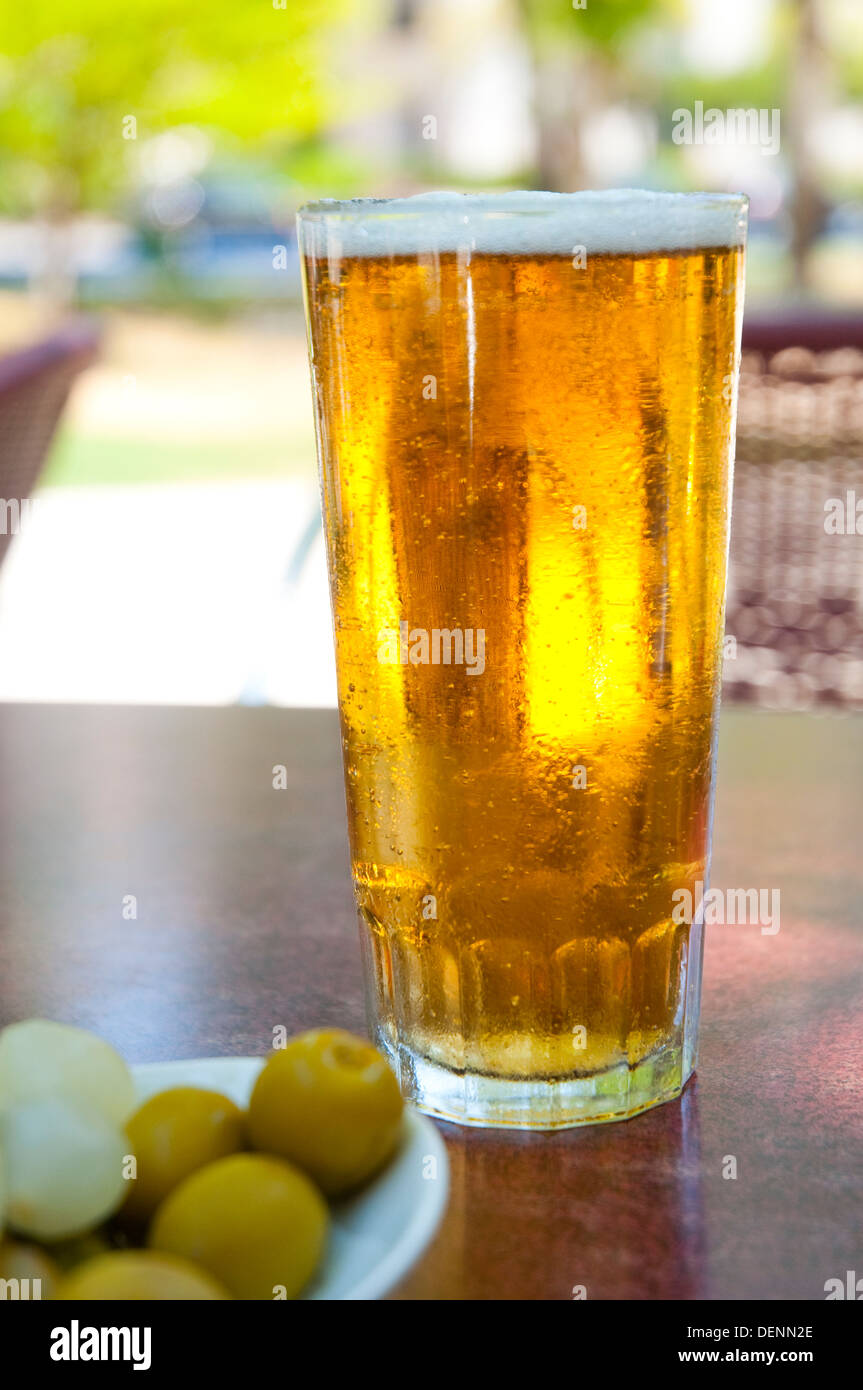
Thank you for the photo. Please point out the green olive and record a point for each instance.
(136, 1275)
(254, 1223)
(329, 1103)
(172, 1135)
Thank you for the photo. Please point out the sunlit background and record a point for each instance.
(153, 157)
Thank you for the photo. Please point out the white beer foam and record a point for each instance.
(612, 221)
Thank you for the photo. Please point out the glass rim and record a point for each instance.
(518, 202)
(606, 222)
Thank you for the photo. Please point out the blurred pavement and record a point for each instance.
(180, 594)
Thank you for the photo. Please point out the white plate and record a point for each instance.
(375, 1237)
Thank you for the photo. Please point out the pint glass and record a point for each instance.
(525, 418)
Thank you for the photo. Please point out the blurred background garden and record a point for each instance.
(153, 158)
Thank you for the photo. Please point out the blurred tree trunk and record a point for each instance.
(53, 282)
(560, 104)
(808, 95)
(578, 71)
(568, 88)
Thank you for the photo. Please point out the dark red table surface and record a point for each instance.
(245, 922)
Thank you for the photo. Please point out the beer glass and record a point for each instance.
(525, 411)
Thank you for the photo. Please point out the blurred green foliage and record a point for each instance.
(602, 25)
(257, 75)
(614, 28)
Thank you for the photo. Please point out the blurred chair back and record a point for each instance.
(34, 384)
(795, 589)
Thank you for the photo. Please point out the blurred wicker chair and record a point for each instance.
(795, 591)
(34, 384)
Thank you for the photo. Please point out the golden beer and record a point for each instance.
(525, 411)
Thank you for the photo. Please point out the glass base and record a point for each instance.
(505, 1103)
